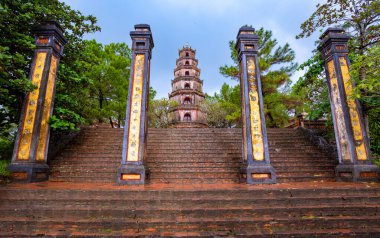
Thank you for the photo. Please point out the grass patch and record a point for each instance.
(4, 172)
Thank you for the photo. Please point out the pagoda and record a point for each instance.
(187, 91)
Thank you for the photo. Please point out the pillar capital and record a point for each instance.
(142, 39)
(246, 41)
(333, 41)
(49, 34)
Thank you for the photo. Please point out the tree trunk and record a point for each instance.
(111, 122)
(100, 105)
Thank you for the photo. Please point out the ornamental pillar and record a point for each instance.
(32, 141)
(132, 169)
(355, 163)
(256, 164)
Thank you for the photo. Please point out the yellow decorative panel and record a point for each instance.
(256, 130)
(30, 110)
(46, 114)
(131, 176)
(338, 111)
(354, 114)
(135, 109)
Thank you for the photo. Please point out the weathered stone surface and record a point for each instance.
(189, 155)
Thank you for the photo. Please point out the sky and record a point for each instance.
(207, 25)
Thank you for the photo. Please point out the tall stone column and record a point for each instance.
(257, 168)
(32, 141)
(132, 170)
(351, 137)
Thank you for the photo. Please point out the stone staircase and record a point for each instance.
(226, 210)
(189, 155)
(193, 191)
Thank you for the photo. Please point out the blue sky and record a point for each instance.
(207, 25)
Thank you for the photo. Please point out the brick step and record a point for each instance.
(340, 192)
(188, 167)
(204, 146)
(308, 173)
(297, 179)
(185, 181)
(144, 204)
(224, 227)
(303, 167)
(108, 232)
(83, 178)
(74, 169)
(86, 213)
(194, 169)
(301, 161)
(180, 164)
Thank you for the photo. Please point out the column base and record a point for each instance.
(258, 174)
(29, 172)
(357, 173)
(129, 174)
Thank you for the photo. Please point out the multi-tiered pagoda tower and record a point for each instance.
(187, 91)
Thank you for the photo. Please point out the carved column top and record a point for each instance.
(142, 39)
(49, 34)
(333, 40)
(247, 41)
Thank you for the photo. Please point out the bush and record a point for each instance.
(4, 172)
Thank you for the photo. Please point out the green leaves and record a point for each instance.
(276, 66)
(223, 109)
(107, 67)
(160, 115)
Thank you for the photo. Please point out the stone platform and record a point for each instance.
(305, 209)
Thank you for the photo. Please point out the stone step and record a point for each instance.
(150, 213)
(263, 227)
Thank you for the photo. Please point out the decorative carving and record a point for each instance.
(256, 130)
(353, 111)
(338, 112)
(135, 115)
(46, 114)
(31, 107)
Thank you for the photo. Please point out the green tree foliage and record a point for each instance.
(107, 67)
(223, 109)
(276, 66)
(18, 18)
(160, 115)
(17, 21)
(361, 19)
(312, 89)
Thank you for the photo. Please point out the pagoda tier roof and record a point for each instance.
(185, 107)
(186, 91)
(186, 58)
(187, 67)
(187, 78)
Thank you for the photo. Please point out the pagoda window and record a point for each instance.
(187, 86)
(187, 100)
(187, 54)
(187, 73)
(187, 117)
(187, 63)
